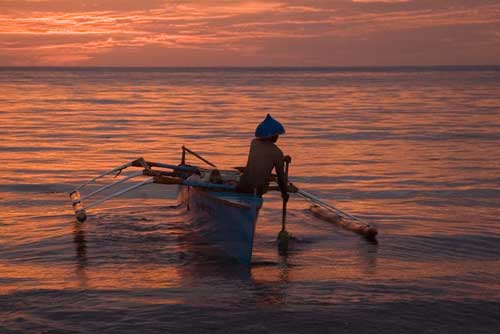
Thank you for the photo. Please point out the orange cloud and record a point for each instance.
(42, 32)
(381, 1)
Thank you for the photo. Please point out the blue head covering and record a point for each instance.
(269, 127)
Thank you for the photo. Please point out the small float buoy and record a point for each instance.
(80, 213)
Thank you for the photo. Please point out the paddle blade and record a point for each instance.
(283, 242)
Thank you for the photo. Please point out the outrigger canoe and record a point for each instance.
(226, 218)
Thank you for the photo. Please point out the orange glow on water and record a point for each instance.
(375, 144)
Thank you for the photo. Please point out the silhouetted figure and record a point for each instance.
(264, 156)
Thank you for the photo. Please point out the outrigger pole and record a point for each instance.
(330, 213)
(177, 175)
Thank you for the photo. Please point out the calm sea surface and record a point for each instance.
(416, 151)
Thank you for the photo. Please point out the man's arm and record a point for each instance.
(280, 172)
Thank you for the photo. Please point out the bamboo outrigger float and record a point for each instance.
(228, 218)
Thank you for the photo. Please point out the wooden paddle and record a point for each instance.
(284, 236)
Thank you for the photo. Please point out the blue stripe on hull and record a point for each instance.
(226, 219)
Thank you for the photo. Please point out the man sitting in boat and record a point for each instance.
(264, 156)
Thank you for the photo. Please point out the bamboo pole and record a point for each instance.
(131, 176)
(114, 170)
(332, 214)
(185, 149)
(121, 192)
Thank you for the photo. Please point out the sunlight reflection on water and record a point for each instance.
(414, 152)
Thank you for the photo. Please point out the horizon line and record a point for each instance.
(250, 67)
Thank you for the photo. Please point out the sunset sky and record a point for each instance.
(249, 33)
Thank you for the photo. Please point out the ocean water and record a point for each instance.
(415, 151)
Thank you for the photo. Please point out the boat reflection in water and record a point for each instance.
(271, 282)
(81, 253)
(212, 278)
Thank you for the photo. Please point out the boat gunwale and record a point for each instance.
(212, 196)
